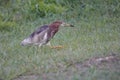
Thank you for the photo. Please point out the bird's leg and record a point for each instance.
(54, 47)
(40, 45)
(48, 44)
(57, 47)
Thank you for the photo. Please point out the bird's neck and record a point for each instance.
(52, 31)
(54, 27)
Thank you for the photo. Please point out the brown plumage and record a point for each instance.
(44, 34)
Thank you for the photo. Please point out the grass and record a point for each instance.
(92, 37)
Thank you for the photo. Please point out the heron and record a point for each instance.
(42, 35)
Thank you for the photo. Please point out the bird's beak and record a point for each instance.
(71, 25)
(67, 25)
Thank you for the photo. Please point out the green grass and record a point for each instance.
(92, 37)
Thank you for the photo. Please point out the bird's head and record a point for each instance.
(60, 23)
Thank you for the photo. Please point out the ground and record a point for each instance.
(105, 67)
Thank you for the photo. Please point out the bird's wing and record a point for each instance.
(40, 38)
(39, 30)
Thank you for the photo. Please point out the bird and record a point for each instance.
(42, 35)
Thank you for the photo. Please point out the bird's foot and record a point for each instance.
(57, 47)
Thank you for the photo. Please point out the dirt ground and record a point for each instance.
(81, 68)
